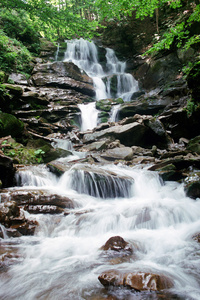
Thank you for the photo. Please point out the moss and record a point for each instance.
(10, 125)
(103, 105)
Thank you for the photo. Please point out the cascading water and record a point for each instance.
(63, 259)
(85, 55)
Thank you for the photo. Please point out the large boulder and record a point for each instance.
(139, 281)
(63, 75)
(144, 131)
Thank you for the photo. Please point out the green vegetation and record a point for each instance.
(21, 154)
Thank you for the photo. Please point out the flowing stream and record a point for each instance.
(63, 259)
(110, 80)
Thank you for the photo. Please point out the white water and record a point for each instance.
(85, 55)
(63, 260)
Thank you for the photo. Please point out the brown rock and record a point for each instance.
(117, 243)
(139, 281)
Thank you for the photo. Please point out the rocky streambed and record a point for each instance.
(112, 212)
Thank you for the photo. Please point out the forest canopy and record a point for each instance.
(25, 21)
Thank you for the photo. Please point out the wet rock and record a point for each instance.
(35, 198)
(139, 281)
(7, 171)
(192, 189)
(43, 209)
(14, 220)
(57, 167)
(117, 243)
(196, 237)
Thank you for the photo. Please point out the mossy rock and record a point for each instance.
(118, 101)
(10, 125)
(104, 105)
(194, 145)
(14, 89)
(192, 189)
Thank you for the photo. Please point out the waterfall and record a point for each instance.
(64, 258)
(85, 55)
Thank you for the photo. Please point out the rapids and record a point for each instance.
(63, 259)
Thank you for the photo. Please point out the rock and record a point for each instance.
(193, 79)
(161, 71)
(10, 125)
(196, 237)
(194, 145)
(7, 171)
(43, 209)
(13, 218)
(14, 89)
(117, 243)
(63, 75)
(173, 120)
(138, 131)
(31, 198)
(192, 185)
(18, 78)
(128, 134)
(139, 281)
(122, 153)
(96, 146)
(57, 167)
(130, 109)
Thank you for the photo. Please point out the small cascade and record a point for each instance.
(110, 82)
(57, 52)
(62, 144)
(35, 176)
(101, 184)
(3, 233)
(113, 116)
(89, 116)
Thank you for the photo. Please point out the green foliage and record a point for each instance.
(191, 107)
(21, 154)
(18, 25)
(56, 19)
(179, 34)
(13, 54)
